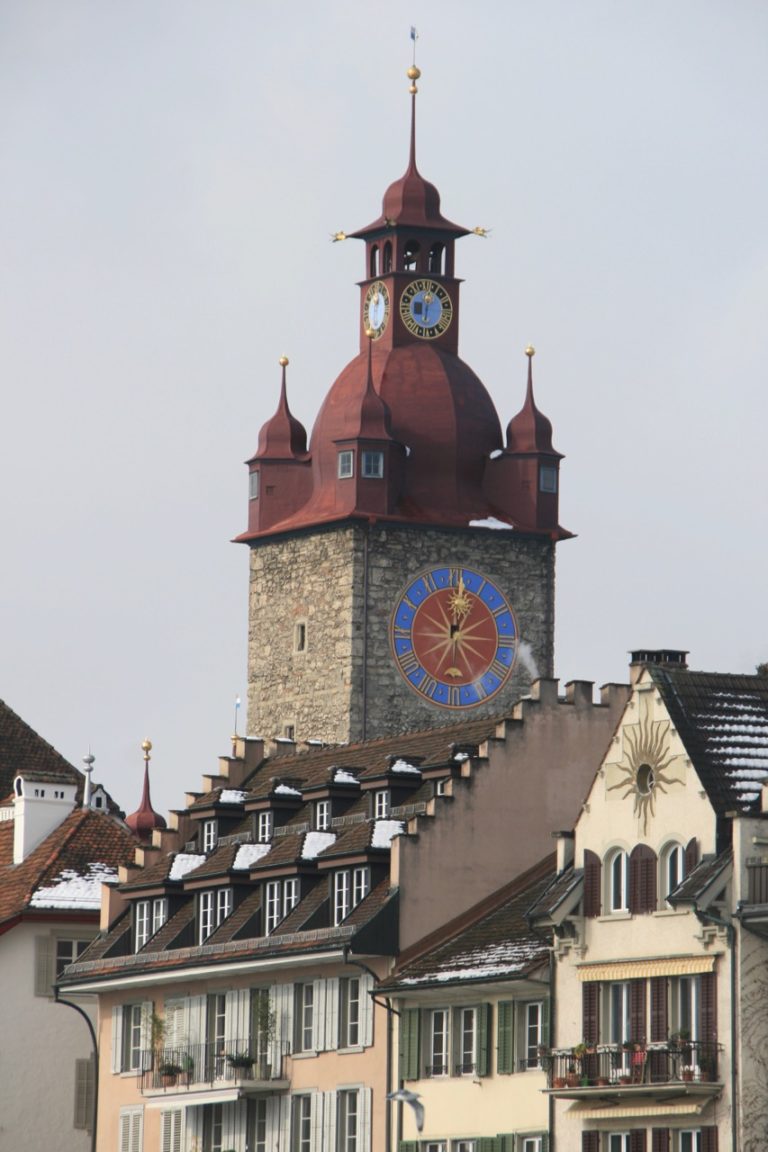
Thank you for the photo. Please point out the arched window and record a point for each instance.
(672, 868)
(374, 265)
(435, 262)
(617, 880)
(411, 256)
(387, 262)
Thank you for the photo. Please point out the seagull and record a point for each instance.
(412, 1098)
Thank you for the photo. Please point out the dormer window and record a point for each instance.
(210, 836)
(215, 906)
(323, 815)
(381, 804)
(350, 886)
(253, 485)
(373, 465)
(159, 913)
(141, 922)
(264, 826)
(547, 478)
(346, 464)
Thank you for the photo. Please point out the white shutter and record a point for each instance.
(332, 1014)
(44, 965)
(117, 1038)
(147, 1011)
(366, 1010)
(283, 1119)
(131, 1129)
(196, 1018)
(137, 1129)
(175, 1022)
(237, 1022)
(282, 1004)
(364, 1110)
(230, 1129)
(170, 1130)
(318, 1015)
(316, 1126)
(329, 1120)
(84, 1093)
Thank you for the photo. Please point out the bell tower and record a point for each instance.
(402, 565)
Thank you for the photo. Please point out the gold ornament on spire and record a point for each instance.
(530, 351)
(146, 747)
(283, 361)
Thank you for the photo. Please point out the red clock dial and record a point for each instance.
(454, 636)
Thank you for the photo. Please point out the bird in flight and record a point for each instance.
(404, 1096)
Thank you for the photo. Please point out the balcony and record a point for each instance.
(234, 1069)
(670, 1068)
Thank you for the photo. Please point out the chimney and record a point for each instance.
(41, 802)
(662, 657)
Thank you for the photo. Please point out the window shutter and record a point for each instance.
(117, 1037)
(316, 1123)
(488, 1144)
(409, 1044)
(709, 1007)
(147, 1012)
(44, 965)
(366, 1010)
(545, 1142)
(237, 1019)
(691, 856)
(637, 1001)
(660, 1140)
(592, 883)
(590, 1011)
(637, 1140)
(484, 1040)
(506, 1142)
(84, 1094)
(505, 1048)
(545, 1022)
(709, 1139)
(318, 1016)
(590, 1141)
(332, 1012)
(409, 1146)
(642, 879)
(125, 1132)
(329, 1120)
(282, 1005)
(170, 1131)
(659, 1014)
(364, 1112)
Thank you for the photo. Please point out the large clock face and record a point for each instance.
(454, 637)
(426, 308)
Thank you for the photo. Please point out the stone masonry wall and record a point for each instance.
(318, 579)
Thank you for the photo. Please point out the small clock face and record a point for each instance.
(426, 309)
(376, 309)
(454, 637)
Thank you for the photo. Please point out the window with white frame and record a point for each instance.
(67, 951)
(216, 1031)
(531, 1144)
(159, 913)
(215, 907)
(348, 1120)
(533, 1023)
(435, 1146)
(342, 895)
(346, 464)
(141, 914)
(290, 894)
(304, 1018)
(373, 465)
(685, 994)
(616, 1017)
(322, 815)
(274, 907)
(439, 1039)
(256, 1125)
(213, 1128)
(361, 884)
(264, 826)
(463, 1146)
(618, 882)
(133, 1037)
(131, 1129)
(672, 868)
(349, 1012)
(301, 1124)
(253, 485)
(381, 804)
(618, 1142)
(690, 1140)
(466, 1041)
(210, 836)
(547, 478)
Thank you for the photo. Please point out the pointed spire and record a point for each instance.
(530, 430)
(144, 820)
(283, 436)
(375, 420)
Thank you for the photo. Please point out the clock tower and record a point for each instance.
(403, 565)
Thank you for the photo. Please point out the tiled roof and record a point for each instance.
(21, 747)
(556, 892)
(723, 722)
(84, 839)
(493, 941)
(696, 882)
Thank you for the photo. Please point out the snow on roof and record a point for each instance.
(72, 890)
(491, 522)
(404, 766)
(286, 790)
(461, 756)
(185, 862)
(504, 959)
(341, 776)
(384, 831)
(315, 843)
(232, 796)
(248, 854)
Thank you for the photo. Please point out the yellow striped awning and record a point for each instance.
(625, 1111)
(645, 969)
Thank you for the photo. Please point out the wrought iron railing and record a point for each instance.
(186, 1065)
(606, 1065)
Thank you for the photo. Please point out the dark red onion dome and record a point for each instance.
(144, 820)
(283, 436)
(530, 430)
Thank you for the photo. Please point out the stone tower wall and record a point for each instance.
(342, 584)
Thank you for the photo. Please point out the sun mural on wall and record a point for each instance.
(644, 765)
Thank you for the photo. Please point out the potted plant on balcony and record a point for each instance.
(169, 1072)
(241, 1063)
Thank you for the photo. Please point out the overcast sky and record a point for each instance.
(171, 173)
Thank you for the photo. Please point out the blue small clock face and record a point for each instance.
(454, 637)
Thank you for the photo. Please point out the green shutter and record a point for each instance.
(505, 1056)
(545, 1022)
(488, 1144)
(506, 1142)
(409, 1044)
(545, 1142)
(484, 1041)
(409, 1146)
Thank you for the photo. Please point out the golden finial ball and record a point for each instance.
(413, 72)
(370, 333)
(146, 747)
(530, 351)
(284, 361)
